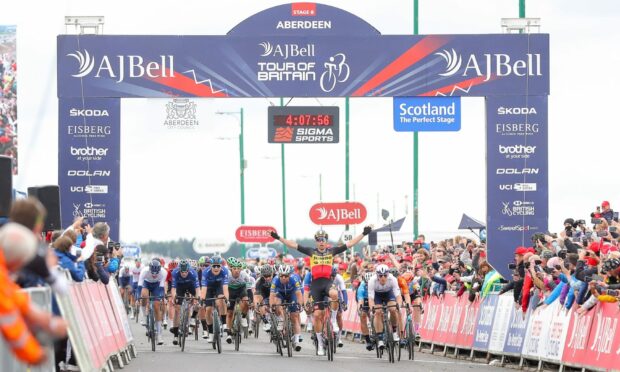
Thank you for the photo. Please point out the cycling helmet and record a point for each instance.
(138, 260)
(321, 235)
(155, 266)
(208, 261)
(367, 276)
(284, 270)
(300, 264)
(266, 270)
(334, 270)
(248, 272)
(394, 271)
(216, 260)
(251, 267)
(258, 270)
(202, 260)
(184, 266)
(172, 265)
(234, 263)
(382, 269)
(276, 267)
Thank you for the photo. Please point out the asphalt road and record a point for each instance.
(257, 355)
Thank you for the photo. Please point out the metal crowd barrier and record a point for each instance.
(41, 296)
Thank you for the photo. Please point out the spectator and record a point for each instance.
(96, 265)
(97, 235)
(68, 261)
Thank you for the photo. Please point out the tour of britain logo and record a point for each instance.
(181, 113)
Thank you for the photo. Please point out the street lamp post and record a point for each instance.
(241, 167)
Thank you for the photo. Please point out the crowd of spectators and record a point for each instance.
(8, 98)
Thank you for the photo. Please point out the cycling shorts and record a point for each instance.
(213, 292)
(382, 298)
(319, 290)
(125, 281)
(235, 294)
(154, 289)
(183, 290)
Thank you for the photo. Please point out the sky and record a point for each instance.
(183, 183)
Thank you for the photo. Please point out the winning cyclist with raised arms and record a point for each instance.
(321, 261)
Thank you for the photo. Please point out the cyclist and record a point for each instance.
(124, 281)
(286, 288)
(215, 285)
(135, 277)
(338, 284)
(362, 300)
(403, 285)
(203, 263)
(238, 285)
(169, 311)
(383, 289)
(153, 279)
(184, 282)
(321, 262)
(261, 296)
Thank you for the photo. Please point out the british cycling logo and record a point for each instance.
(86, 62)
(453, 62)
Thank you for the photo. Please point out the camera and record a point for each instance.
(100, 259)
(613, 292)
(562, 254)
(613, 229)
(512, 266)
(601, 234)
(597, 221)
(581, 222)
(538, 237)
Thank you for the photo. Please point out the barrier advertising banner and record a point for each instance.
(503, 312)
(89, 160)
(484, 324)
(517, 174)
(517, 327)
(575, 348)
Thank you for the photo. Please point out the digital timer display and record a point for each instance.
(303, 124)
(303, 119)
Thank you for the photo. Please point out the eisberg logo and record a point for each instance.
(86, 62)
(88, 112)
(517, 149)
(498, 64)
(88, 151)
(516, 110)
(453, 62)
(133, 65)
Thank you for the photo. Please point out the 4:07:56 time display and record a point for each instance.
(304, 119)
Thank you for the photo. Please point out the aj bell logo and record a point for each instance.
(338, 214)
(498, 64)
(116, 68)
(287, 50)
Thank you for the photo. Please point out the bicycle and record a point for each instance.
(390, 344)
(186, 307)
(287, 328)
(410, 333)
(151, 334)
(275, 336)
(329, 336)
(256, 320)
(237, 328)
(217, 327)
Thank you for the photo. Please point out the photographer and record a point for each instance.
(97, 264)
(114, 252)
(99, 234)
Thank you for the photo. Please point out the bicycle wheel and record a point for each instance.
(289, 333)
(152, 328)
(217, 331)
(256, 324)
(389, 337)
(330, 339)
(410, 339)
(237, 328)
(196, 327)
(183, 327)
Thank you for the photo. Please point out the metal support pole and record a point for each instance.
(283, 189)
(242, 168)
(415, 144)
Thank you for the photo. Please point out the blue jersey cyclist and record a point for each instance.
(153, 279)
(286, 288)
(184, 282)
(215, 286)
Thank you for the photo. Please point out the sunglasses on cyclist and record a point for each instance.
(216, 266)
(321, 240)
(382, 275)
(284, 276)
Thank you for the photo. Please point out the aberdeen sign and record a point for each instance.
(310, 50)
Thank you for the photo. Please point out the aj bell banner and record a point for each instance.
(517, 175)
(89, 160)
(302, 66)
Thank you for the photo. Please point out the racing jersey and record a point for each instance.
(125, 271)
(403, 285)
(298, 278)
(362, 292)
(263, 287)
(209, 279)
(190, 280)
(252, 284)
(135, 273)
(292, 286)
(339, 283)
(321, 262)
(390, 285)
(147, 276)
(242, 281)
(307, 281)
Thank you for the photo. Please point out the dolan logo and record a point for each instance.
(86, 62)
(453, 62)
